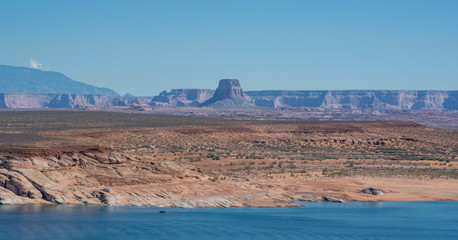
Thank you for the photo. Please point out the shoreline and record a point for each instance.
(432, 191)
(301, 205)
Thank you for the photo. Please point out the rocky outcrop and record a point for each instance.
(18, 184)
(138, 101)
(32, 177)
(309, 197)
(8, 198)
(330, 198)
(99, 176)
(221, 202)
(228, 94)
(107, 197)
(182, 97)
(50, 191)
(373, 191)
(316, 197)
(228, 88)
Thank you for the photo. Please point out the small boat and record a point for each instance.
(162, 211)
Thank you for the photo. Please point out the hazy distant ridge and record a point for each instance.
(53, 100)
(22, 87)
(358, 99)
(29, 80)
(332, 99)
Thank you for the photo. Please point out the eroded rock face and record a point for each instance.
(26, 100)
(221, 202)
(317, 197)
(44, 178)
(310, 197)
(373, 191)
(330, 198)
(107, 196)
(8, 198)
(228, 88)
(182, 97)
(228, 94)
(358, 99)
(18, 184)
(49, 190)
(101, 176)
(111, 158)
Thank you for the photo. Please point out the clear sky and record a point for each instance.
(144, 47)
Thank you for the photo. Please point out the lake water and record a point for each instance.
(387, 220)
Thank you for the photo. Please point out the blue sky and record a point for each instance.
(144, 47)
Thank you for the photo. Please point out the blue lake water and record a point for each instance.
(386, 220)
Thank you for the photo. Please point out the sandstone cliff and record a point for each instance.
(182, 97)
(98, 176)
(228, 94)
(358, 99)
(25, 100)
(332, 99)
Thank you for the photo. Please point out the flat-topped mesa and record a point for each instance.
(228, 94)
(182, 97)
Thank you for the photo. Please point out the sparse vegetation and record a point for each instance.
(330, 148)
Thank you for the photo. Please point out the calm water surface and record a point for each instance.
(388, 220)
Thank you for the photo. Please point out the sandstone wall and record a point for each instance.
(182, 97)
(26, 100)
(358, 99)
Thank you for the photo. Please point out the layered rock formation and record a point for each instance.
(358, 99)
(182, 97)
(333, 99)
(17, 82)
(80, 101)
(98, 176)
(29, 175)
(228, 94)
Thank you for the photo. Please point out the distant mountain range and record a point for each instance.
(29, 80)
(22, 87)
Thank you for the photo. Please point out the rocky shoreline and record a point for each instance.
(64, 179)
(97, 176)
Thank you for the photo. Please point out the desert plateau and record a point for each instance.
(110, 158)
